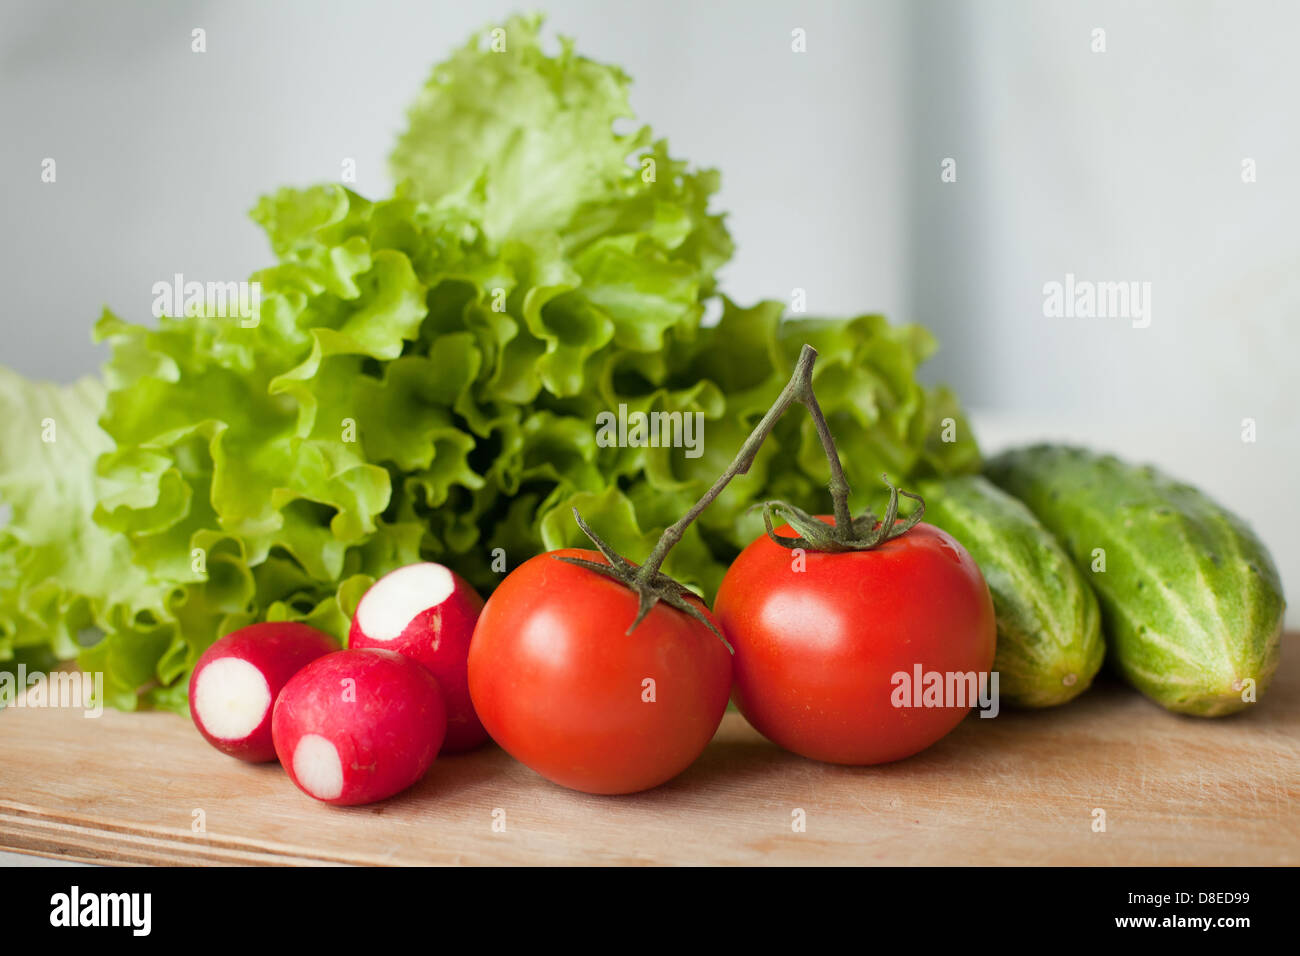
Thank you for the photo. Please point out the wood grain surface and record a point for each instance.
(1017, 789)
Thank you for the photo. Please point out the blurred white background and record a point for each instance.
(1123, 165)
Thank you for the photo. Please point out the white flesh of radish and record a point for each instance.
(317, 766)
(232, 698)
(396, 598)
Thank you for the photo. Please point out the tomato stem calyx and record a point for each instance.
(650, 589)
(859, 534)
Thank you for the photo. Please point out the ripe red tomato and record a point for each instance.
(817, 649)
(561, 687)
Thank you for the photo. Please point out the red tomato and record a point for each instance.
(817, 650)
(561, 687)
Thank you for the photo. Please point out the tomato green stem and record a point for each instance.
(847, 534)
(652, 585)
(798, 389)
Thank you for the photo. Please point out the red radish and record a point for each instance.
(427, 612)
(237, 680)
(357, 726)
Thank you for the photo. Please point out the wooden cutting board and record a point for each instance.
(1022, 788)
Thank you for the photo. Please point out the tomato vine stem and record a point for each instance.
(798, 389)
(846, 534)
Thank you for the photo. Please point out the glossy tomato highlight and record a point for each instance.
(821, 637)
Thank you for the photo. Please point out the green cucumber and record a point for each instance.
(1049, 629)
(1191, 600)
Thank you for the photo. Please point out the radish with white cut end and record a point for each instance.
(357, 726)
(237, 680)
(427, 612)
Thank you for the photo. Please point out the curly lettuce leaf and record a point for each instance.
(64, 579)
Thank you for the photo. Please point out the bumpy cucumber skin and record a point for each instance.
(1191, 601)
(1049, 628)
